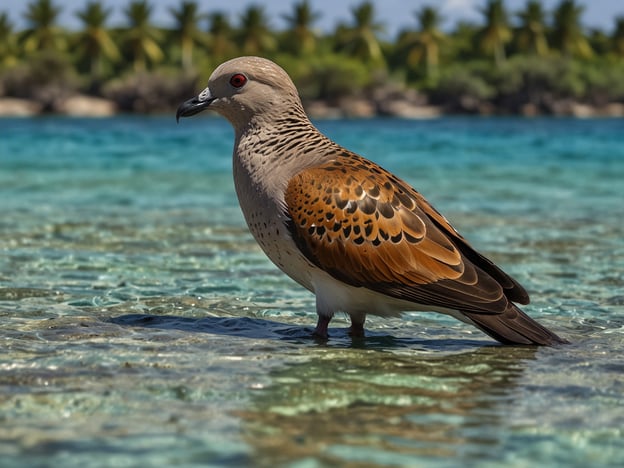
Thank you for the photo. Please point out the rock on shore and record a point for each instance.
(77, 105)
(14, 107)
(87, 106)
(406, 104)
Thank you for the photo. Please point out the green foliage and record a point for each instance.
(42, 34)
(141, 39)
(46, 77)
(496, 32)
(568, 34)
(472, 68)
(186, 31)
(420, 50)
(359, 40)
(331, 76)
(618, 37)
(537, 81)
(300, 38)
(531, 35)
(462, 88)
(8, 43)
(220, 37)
(151, 91)
(94, 44)
(603, 84)
(558, 77)
(255, 36)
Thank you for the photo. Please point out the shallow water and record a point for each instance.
(141, 325)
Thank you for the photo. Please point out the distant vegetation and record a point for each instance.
(527, 61)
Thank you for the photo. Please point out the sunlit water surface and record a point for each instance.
(140, 325)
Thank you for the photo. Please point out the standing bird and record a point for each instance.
(361, 239)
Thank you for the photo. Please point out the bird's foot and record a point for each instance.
(321, 328)
(356, 330)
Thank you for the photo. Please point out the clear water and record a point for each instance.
(141, 326)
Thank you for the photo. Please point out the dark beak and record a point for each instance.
(192, 106)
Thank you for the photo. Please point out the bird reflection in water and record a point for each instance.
(341, 408)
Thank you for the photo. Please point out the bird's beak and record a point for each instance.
(195, 105)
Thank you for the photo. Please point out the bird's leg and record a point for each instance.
(321, 326)
(356, 329)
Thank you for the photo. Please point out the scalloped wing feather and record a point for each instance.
(368, 228)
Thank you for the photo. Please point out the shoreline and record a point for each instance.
(82, 105)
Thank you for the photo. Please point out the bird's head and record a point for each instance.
(245, 88)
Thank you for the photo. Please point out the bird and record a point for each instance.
(361, 239)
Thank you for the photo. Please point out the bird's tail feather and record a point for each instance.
(514, 327)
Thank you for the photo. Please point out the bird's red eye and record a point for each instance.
(238, 80)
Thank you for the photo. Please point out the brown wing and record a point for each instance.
(368, 228)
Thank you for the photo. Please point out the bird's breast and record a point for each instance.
(262, 202)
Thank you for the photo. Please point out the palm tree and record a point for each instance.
(255, 35)
(618, 37)
(360, 40)
(301, 37)
(423, 46)
(220, 36)
(42, 33)
(531, 36)
(187, 17)
(141, 37)
(462, 41)
(8, 49)
(568, 34)
(599, 42)
(496, 32)
(94, 42)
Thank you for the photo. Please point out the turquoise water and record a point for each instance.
(140, 325)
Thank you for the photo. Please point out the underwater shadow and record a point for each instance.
(265, 329)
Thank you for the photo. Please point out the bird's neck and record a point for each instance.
(270, 150)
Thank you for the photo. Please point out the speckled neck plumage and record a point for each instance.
(272, 148)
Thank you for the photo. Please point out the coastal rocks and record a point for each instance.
(15, 107)
(529, 110)
(322, 110)
(406, 110)
(78, 105)
(357, 107)
(572, 108)
(161, 95)
(150, 92)
(87, 106)
(407, 104)
(614, 109)
(383, 101)
(349, 107)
